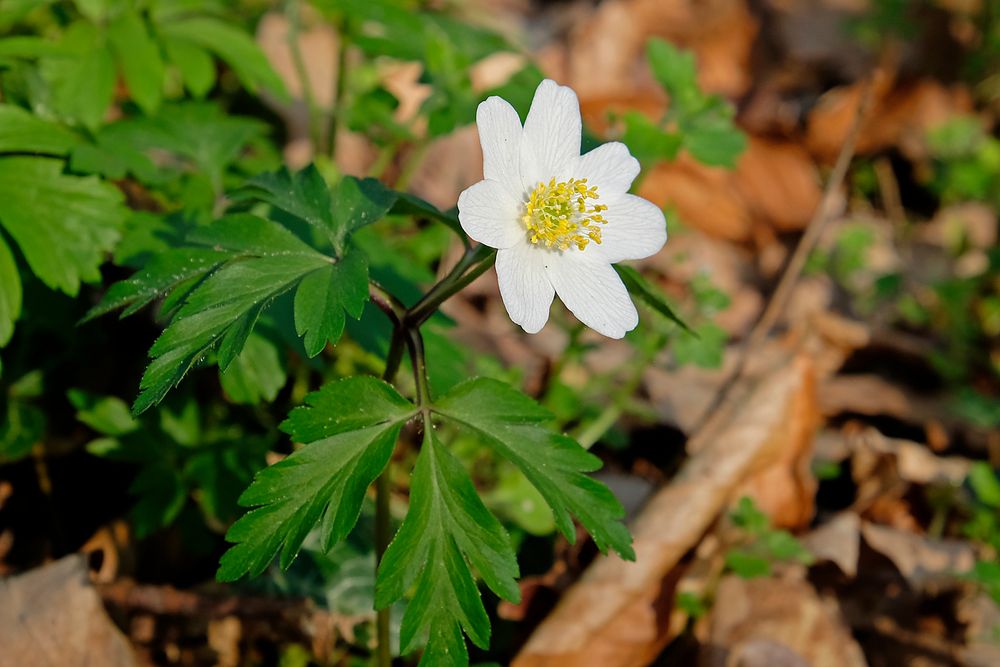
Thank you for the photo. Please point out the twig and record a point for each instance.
(814, 230)
(167, 600)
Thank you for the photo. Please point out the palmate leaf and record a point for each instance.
(351, 427)
(446, 528)
(230, 274)
(63, 225)
(223, 309)
(514, 425)
(304, 194)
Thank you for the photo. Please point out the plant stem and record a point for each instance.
(409, 168)
(383, 484)
(315, 115)
(473, 264)
(406, 333)
(336, 114)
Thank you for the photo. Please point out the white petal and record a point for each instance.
(552, 131)
(500, 136)
(593, 292)
(489, 214)
(636, 228)
(610, 167)
(524, 286)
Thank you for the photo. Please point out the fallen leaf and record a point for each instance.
(785, 620)
(924, 562)
(838, 540)
(779, 183)
(52, 616)
(900, 116)
(609, 618)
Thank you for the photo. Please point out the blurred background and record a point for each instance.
(809, 470)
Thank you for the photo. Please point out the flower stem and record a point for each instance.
(473, 264)
(406, 335)
(395, 311)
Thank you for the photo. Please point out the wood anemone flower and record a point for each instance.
(558, 219)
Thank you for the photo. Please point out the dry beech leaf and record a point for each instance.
(923, 561)
(605, 52)
(705, 198)
(900, 116)
(52, 617)
(838, 540)
(611, 616)
(783, 613)
(779, 183)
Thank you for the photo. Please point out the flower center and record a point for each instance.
(559, 215)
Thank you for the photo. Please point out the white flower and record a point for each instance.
(558, 219)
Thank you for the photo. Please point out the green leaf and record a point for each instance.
(199, 131)
(647, 141)
(139, 59)
(407, 204)
(232, 45)
(747, 565)
(640, 288)
(64, 225)
(22, 427)
(513, 425)
(717, 143)
(244, 234)
(352, 426)
(221, 311)
(195, 64)
(324, 296)
(303, 194)
(107, 415)
(83, 84)
(29, 46)
(10, 293)
(163, 273)
(782, 545)
(360, 202)
(984, 483)
(257, 374)
(161, 497)
(446, 529)
(704, 346)
(23, 132)
(675, 71)
(747, 516)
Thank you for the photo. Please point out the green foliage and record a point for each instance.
(763, 545)
(512, 424)
(182, 460)
(967, 161)
(119, 149)
(62, 225)
(229, 273)
(698, 123)
(350, 428)
(447, 525)
(24, 421)
(640, 289)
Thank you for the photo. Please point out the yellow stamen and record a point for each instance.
(557, 215)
